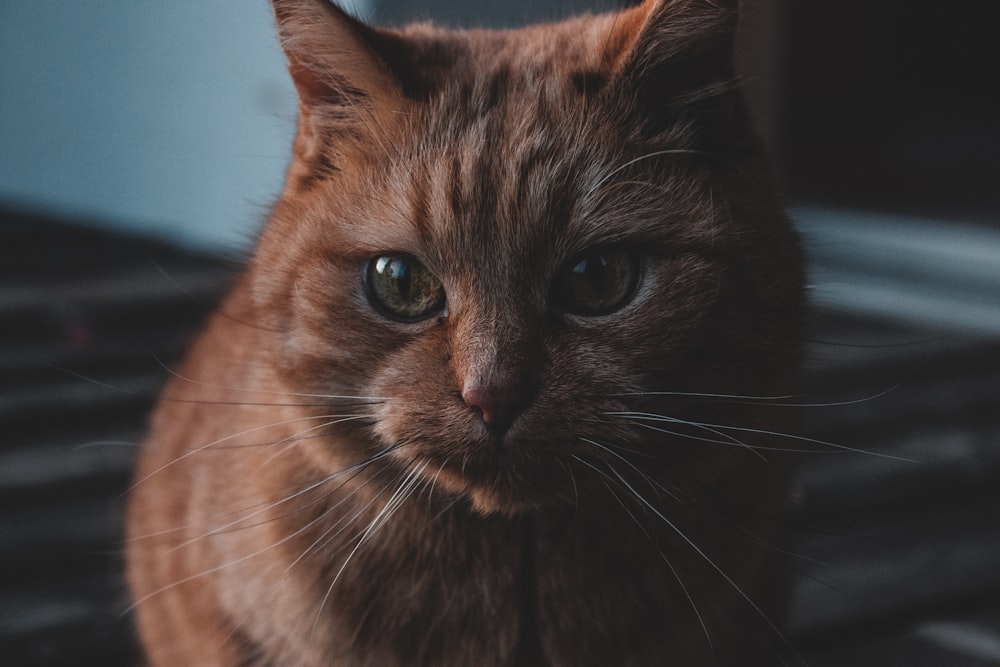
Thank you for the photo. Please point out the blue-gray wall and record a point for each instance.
(173, 117)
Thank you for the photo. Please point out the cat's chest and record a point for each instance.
(493, 592)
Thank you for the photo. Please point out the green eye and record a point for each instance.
(402, 288)
(598, 282)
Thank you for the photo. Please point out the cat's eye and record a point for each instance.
(598, 282)
(402, 288)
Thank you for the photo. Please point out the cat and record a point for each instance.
(496, 385)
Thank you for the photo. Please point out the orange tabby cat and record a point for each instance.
(482, 395)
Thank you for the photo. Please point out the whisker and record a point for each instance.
(217, 568)
(729, 443)
(441, 467)
(782, 401)
(234, 525)
(745, 429)
(756, 539)
(673, 570)
(736, 587)
(343, 523)
(208, 304)
(649, 480)
(727, 439)
(572, 479)
(292, 440)
(264, 404)
(388, 510)
(263, 507)
(227, 438)
(333, 532)
(359, 400)
(105, 443)
(700, 394)
(231, 563)
(361, 423)
(815, 441)
(199, 383)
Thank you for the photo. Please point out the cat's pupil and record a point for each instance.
(593, 270)
(399, 273)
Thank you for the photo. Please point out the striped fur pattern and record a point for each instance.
(323, 485)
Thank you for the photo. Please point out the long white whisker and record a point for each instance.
(263, 507)
(802, 438)
(361, 400)
(673, 570)
(390, 507)
(434, 480)
(227, 438)
(572, 479)
(776, 434)
(698, 394)
(729, 443)
(341, 524)
(264, 391)
(649, 480)
(223, 566)
(680, 533)
(728, 439)
(780, 401)
(301, 435)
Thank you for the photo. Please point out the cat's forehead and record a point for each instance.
(518, 146)
(511, 156)
(528, 177)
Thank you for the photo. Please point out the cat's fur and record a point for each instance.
(318, 487)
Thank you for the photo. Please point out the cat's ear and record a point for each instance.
(333, 59)
(673, 52)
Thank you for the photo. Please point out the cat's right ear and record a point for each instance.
(672, 52)
(333, 60)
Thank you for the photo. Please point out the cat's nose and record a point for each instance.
(498, 406)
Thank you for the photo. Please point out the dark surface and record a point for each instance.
(897, 558)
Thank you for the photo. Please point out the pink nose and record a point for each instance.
(498, 406)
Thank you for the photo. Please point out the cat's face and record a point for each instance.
(507, 254)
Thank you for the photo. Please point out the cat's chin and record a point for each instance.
(497, 492)
(509, 502)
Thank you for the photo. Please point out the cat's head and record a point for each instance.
(509, 240)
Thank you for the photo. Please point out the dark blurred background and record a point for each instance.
(140, 144)
(892, 106)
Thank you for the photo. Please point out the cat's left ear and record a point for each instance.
(674, 52)
(333, 59)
